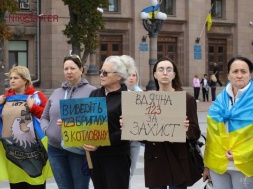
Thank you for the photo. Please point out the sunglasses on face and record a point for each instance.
(72, 56)
(105, 73)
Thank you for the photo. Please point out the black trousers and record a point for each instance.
(196, 92)
(218, 80)
(205, 94)
(213, 91)
(24, 185)
(111, 172)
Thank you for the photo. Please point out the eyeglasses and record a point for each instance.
(72, 56)
(168, 70)
(105, 73)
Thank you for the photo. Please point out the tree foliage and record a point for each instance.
(5, 34)
(85, 21)
(12, 7)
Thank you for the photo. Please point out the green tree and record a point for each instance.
(5, 34)
(85, 21)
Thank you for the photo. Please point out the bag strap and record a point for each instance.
(192, 145)
(203, 137)
(200, 144)
(204, 184)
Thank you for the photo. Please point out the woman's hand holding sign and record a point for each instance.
(186, 124)
(90, 147)
(59, 122)
(120, 121)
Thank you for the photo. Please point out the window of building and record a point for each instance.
(23, 4)
(217, 8)
(168, 7)
(167, 46)
(18, 53)
(113, 6)
(217, 52)
(110, 45)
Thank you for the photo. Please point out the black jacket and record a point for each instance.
(212, 84)
(202, 82)
(168, 163)
(113, 103)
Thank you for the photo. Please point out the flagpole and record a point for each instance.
(198, 38)
(202, 30)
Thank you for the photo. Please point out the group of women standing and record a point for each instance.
(228, 155)
(206, 84)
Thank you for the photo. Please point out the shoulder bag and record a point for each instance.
(196, 158)
(207, 185)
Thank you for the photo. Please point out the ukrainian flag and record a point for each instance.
(150, 9)
(209, 21)
(238, 137)
(8, 169)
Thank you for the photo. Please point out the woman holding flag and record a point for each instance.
(229, 151)
(23, 155)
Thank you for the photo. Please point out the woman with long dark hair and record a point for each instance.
(167, 163)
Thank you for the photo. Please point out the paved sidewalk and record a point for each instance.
(203, 106)
(137, 182)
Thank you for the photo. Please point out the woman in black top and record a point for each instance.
(111, 164)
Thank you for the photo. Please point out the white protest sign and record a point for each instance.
(154, 116)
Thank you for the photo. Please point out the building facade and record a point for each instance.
(39, 44)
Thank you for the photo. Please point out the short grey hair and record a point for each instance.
(123, 65)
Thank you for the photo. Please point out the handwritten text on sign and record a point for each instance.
(84, 121)
(154, 116)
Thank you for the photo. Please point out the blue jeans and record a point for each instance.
(134, 154)
(231, 180)
(67, 169)
(170, 187)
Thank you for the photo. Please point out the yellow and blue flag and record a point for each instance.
(23, 145)
(209, 21)
(150, 9)
(230, 130)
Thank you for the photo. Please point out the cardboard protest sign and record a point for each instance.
(84, 121)
(154, 116)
